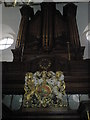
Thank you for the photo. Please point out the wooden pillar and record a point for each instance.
(47, 25)
(26, 13)
(70, 13)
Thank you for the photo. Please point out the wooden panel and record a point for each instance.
(76, 75)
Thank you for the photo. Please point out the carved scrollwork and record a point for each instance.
(45, 63)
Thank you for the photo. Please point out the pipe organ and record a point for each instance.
(47, 41)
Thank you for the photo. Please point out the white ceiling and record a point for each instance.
(10, 20)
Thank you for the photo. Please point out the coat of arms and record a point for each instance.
(44, 89)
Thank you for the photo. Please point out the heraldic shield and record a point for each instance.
(44, 89)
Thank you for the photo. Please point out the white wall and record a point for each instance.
(82, 22)
(10, 25)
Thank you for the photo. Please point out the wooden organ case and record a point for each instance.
(47, 37)
(48, 31)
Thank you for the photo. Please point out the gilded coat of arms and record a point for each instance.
(44, 89)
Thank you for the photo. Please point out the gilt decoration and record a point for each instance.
(44, 89)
